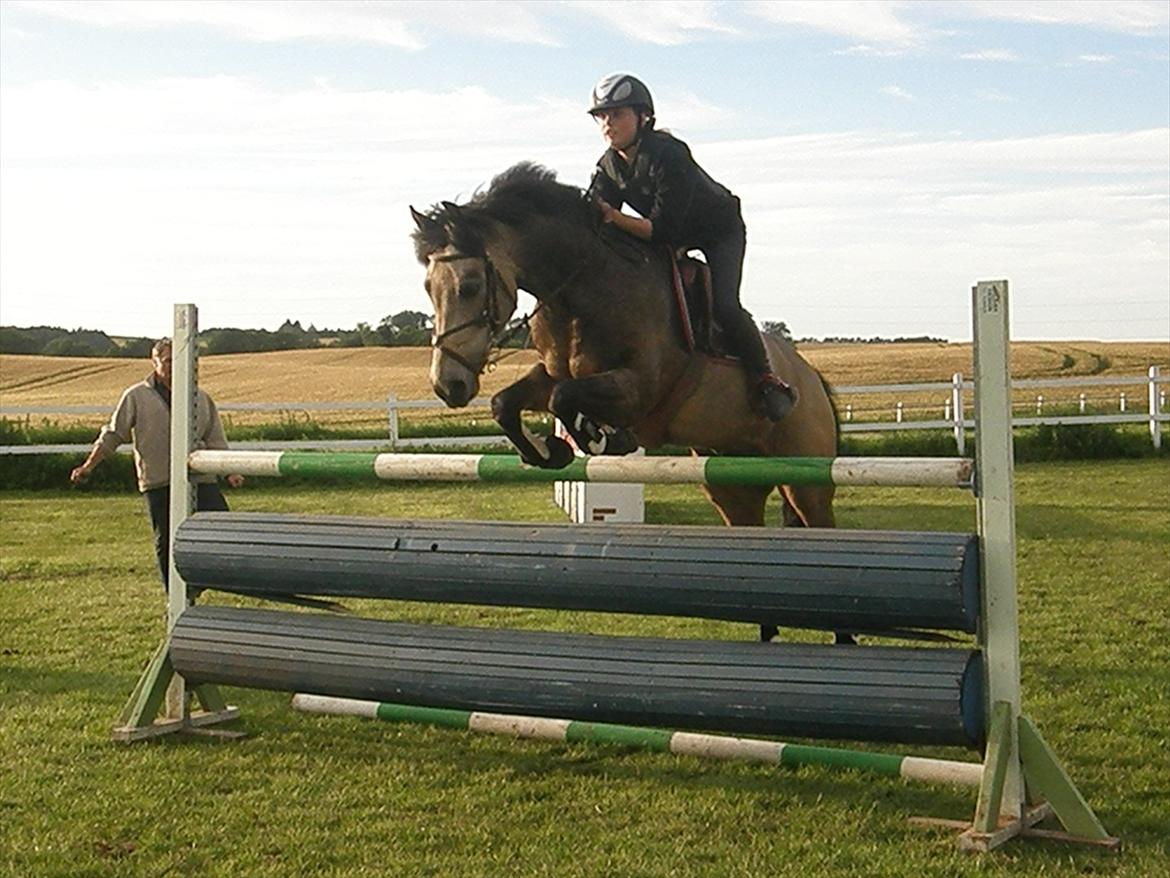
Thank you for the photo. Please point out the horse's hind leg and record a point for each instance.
(812, 507)
(742, 507)
(739, 506)
(790, 518)
(808, 506)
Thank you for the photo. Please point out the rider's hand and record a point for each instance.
(79, 474)
(608, 212)
(235, 480)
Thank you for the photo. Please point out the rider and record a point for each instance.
(654, 172)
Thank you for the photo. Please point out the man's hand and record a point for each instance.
(234, 480)
(79, 474)
(609, 213)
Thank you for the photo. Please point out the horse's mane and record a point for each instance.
(522, 192)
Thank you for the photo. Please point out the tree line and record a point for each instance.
(404, 329)
(780, 328)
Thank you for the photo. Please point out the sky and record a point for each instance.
(259, 159)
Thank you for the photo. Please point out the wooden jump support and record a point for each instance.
(616, 688)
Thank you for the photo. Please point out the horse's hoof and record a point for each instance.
(560, 453)
(621, 441)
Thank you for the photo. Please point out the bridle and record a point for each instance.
(497, 329)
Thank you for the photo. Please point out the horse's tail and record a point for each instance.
(832, 405)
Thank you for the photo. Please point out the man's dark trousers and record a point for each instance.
(208, 498)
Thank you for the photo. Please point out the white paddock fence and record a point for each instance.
(953, 403)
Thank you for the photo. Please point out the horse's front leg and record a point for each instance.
(587, 406)
(530, 393)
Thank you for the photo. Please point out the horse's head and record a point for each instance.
(472, 299)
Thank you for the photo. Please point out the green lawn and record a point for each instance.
(82, 610)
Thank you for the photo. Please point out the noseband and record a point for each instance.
(485, 318)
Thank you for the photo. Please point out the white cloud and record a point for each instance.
(878, 28)
(261, 204)
(1095, 59)
(664, 23)
(1127, 16)
(869, 21)
(991, 55)
(401, 24)
(992, 96)
(689, 113)
(863, 50)
(895, 91)
(885, 227)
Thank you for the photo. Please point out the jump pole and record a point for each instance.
(910, 768)
(933, 472)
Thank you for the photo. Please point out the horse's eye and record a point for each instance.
(469, 288)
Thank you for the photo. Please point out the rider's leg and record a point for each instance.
(725, 258)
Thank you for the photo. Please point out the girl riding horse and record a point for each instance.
(683, 206)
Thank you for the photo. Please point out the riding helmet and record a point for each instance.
(621, 90)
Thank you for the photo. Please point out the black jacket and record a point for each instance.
(666, 185)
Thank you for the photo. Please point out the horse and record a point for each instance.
(613, 367)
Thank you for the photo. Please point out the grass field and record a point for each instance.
(303, 795)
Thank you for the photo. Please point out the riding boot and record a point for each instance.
(777, 397)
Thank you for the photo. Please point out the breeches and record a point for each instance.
(725, 259)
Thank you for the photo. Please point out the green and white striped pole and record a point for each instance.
(659, 740)
(945, 472)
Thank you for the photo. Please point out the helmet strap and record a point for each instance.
(645, 123)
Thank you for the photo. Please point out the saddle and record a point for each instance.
(693, 298)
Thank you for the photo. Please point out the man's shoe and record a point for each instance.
(777, 397)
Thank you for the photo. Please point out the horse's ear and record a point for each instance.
(452, 208)
(421, 220)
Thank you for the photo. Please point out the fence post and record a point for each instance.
(898, 413)
(1040, 404)
(995, 502)
(849, 411)
(392, 417)
(957, 412)
(1121, 402)
(184, 395)
(1082, 402)
(1155, 422)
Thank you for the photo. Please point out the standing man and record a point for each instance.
(144, 416)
